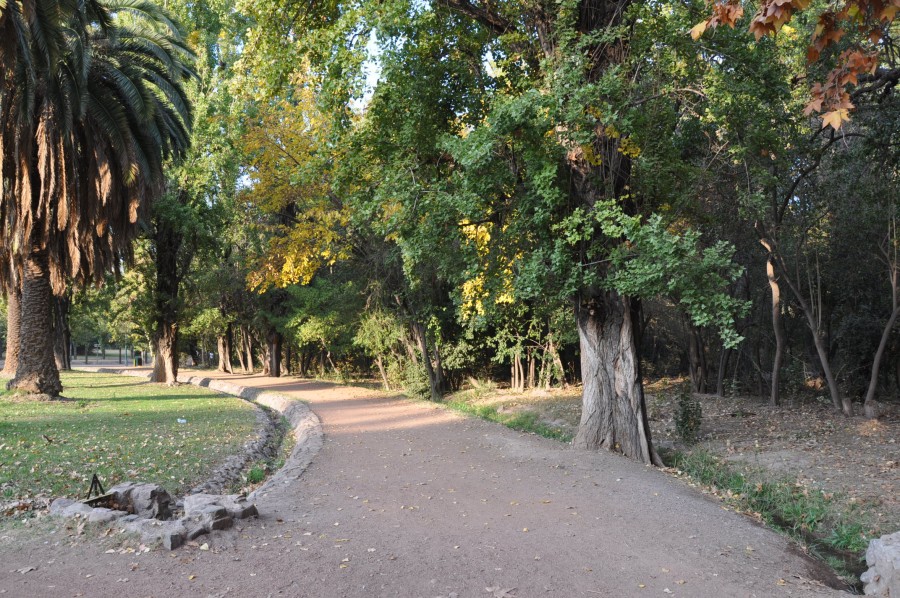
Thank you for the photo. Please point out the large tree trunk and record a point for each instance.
(62, 336)
(273, 353)
(165, 362)
(224, 345)
(613, 414)
(167, 241)
(13, 329)
(36, 371)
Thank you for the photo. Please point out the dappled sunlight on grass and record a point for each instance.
(121, 428)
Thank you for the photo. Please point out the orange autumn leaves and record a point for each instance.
(866, 19)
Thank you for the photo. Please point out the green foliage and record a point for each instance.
(658, 261)
(524, 421)
(688, 417)
(256, 474)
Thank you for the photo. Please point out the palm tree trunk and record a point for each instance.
(36, 371)
(13, 332)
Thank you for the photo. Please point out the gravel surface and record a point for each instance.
(407, 499)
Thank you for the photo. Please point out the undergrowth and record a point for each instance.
(257, 472)
(524, 421)
(810, 516)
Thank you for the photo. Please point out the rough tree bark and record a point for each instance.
(613, 415)
(13, 329)
(36, 371)
(224, 342)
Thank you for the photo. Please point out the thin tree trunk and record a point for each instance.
(379, 361)
(224, 343)
(248, 347)
(890, 251)
(777, 325)
(435, 381)
(613, 415)
(724, 356)
(240, 352)
(557, 361)
(36, 371)
(869, 404)
(697, 360)
(814, 327)
(13, 329)
(288, 358)
(531, 369)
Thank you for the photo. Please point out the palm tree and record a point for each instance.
(106, 116)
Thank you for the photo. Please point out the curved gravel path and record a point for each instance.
(407, 499)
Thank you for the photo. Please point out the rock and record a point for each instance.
(883, 558)
(76, 509)
(103, 515)
(171, 534)
(195, 503)
(238, 507)
(173, 537)
(194, 530)
(59, 505)
(146, 500)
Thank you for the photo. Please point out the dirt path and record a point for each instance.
(406, 499)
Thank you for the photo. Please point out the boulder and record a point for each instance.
(103, 515)
(66, 507)
(170, 534)
(235, 505)
(147, 500)
(883, 558)
(59, 505)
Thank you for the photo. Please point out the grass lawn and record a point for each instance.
(122, 428)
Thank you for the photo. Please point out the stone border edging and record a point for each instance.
(306, 425)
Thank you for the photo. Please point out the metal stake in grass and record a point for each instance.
(96, 487)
